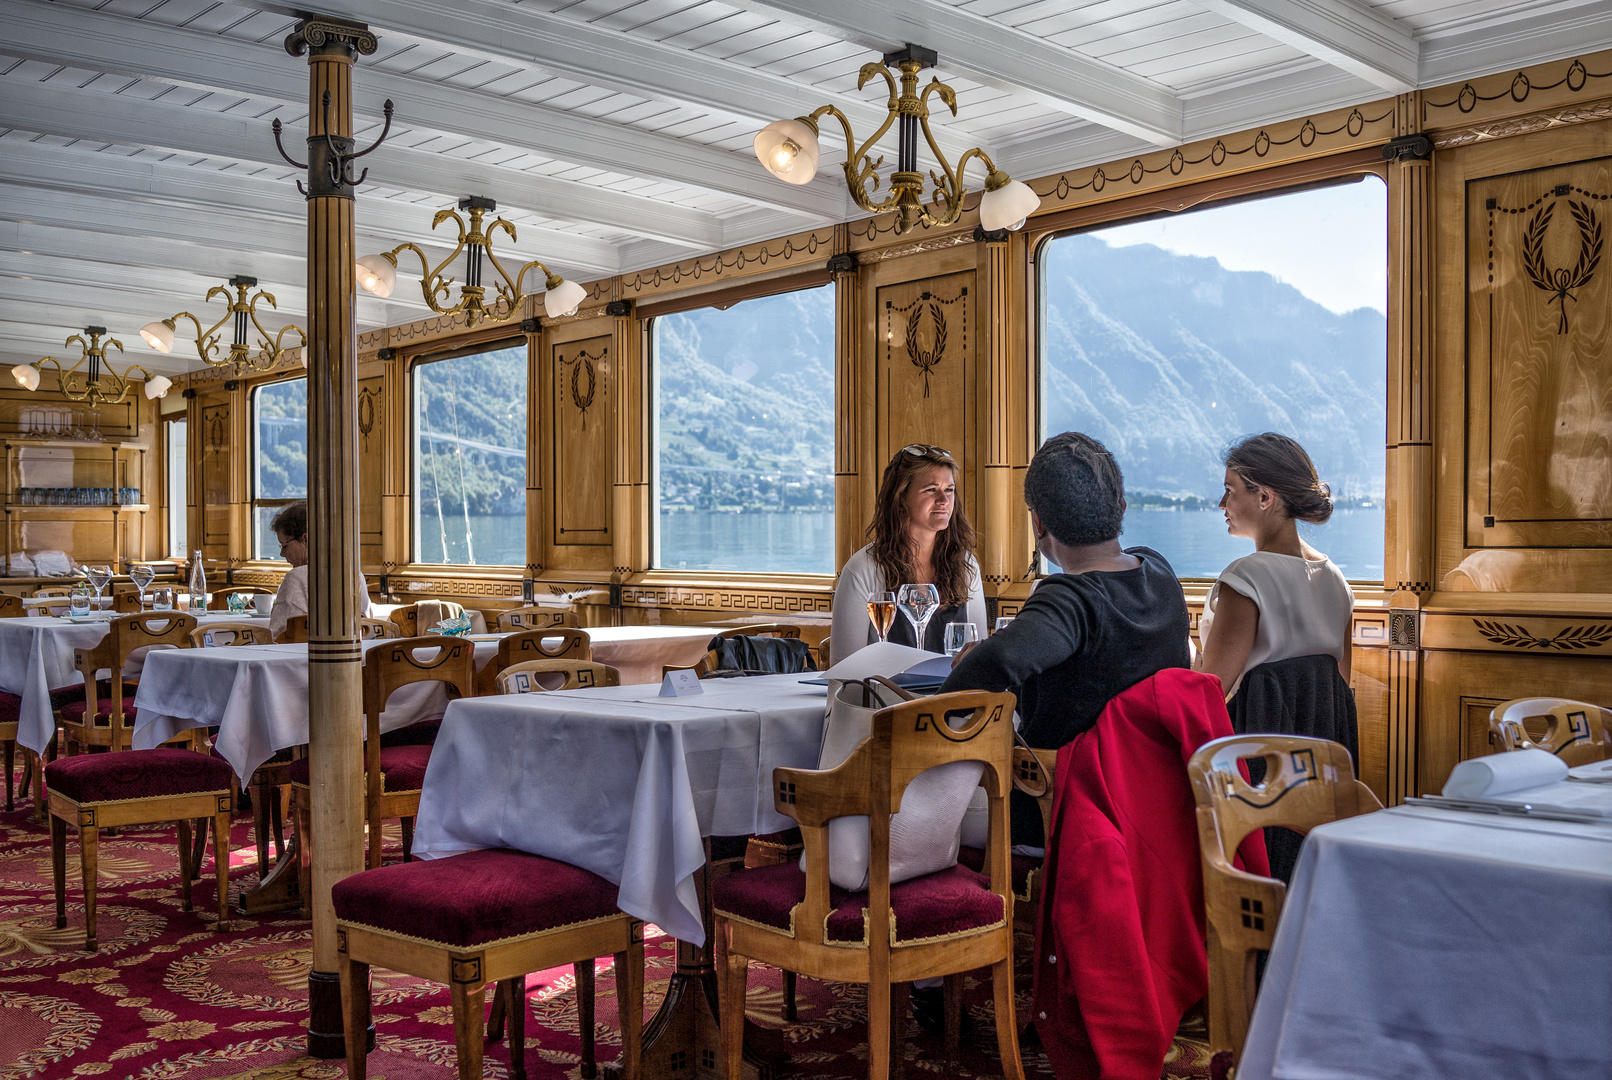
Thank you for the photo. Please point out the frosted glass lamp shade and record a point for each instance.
(376, 275)
(157, 386)
(562, 299)
(1007, 206)
(27, 376)
(789, 150)
(158, 335)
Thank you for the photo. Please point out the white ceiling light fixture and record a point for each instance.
(99, 384)
(160, 334)
(377, 274)
(789, 150)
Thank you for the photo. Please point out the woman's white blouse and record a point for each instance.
(1305, 607)
(852, 629)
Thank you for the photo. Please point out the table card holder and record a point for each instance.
(682, 683)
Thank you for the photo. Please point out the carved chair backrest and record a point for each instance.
(398, 662)
(377, 629)
(214, 635)
(552, 643)
(407, 619)
(126, 603)
(537, 676)
(11, 606)
(1575, 731)
(534, 618)
(296, 630)
(1308, 782)
(124, 635)
(219, 599)
(906, 739)
(1034, 770)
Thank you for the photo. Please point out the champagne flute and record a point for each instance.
(918, 604)
(141, 574)
(882, 613)
(98, 577)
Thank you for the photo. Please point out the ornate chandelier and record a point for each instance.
(99, 385)
(378, 273)
(160, 335)
(789, 150)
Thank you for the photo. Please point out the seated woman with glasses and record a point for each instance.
(1107, 619)
(290, 527)
(920, 536)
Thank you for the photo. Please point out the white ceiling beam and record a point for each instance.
(133, 47)
(145, 124)
(997, 55)
(602, 56)
(1345, 34)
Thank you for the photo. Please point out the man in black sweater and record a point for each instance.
(1108, 619)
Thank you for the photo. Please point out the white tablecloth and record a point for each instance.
(257, 696)
(640, 652)
(36, 657)
(1422, 943)
(619, 781)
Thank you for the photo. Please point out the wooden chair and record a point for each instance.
(534, 618)
(11, 606)
(111, 722)
(216, 634)
(10, 709)
(1307, 782)
(554, 643)
(295, 632)
(526, 677)
(791, 920)
(487, 917)
(52, 590)
(219, 599)
(407, 620)
(126, 603)
(708, 663)
(1575, 731)
(137, 787)
(393, 774)
(377, 629)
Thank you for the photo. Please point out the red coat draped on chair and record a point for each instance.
(1120, 941)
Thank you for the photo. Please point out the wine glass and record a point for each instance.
(1001, 623)
(918, 604)
(959, 635)
(141, 574)
(882, 613)
(98, 577)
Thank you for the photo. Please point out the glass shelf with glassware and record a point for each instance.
(83, 498)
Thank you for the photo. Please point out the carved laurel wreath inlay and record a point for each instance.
(584, 380)
(926, 317)
(1516, 636)
(366, 412)
(1560, 282)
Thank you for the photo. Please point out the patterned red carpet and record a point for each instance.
(167, 998)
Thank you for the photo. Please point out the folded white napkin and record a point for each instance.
(1501, 774)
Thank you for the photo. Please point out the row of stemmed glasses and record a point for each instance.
(916, 602)
(100, 575)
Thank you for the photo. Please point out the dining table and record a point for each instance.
(630, 785)
(640, 653)
(1430, 942)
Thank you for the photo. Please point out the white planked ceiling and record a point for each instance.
(137, 167)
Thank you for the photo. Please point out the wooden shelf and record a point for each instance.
(77, 444)
(140, 507)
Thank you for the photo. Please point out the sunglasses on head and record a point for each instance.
(926, 450)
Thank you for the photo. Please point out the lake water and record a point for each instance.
(1194, 541)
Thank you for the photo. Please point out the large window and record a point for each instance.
(280, 461)
(744, 435)
(470, 458)
(177, 495)
(1168, 339)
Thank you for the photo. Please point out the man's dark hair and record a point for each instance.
(291, 522)
(1074, 485)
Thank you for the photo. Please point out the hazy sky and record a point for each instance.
(1330, 244)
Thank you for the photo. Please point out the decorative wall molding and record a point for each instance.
(1500, 94)
(1523, 125)
(798, 250)
(1567, 639)
(1536, 635)
(719, 599)
(919, 247)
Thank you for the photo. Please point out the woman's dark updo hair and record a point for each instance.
(1074, 486)
(1277, 462)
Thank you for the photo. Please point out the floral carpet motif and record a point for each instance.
(169, 998)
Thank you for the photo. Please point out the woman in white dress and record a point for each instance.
(920, 535)
(1277, 624)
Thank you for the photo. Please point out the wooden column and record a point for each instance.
(335, 692)
(848, 397)
(996, 426)
(1410, 569)
(397, 522)
(630, 404)
(240, 485)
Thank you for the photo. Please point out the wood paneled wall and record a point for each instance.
(1499, 573)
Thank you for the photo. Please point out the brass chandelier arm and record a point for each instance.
(861, 172)
(206, 340)
(509, 289)
(432, 283)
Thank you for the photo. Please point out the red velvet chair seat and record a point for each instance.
(422, 734)
(472, 899)
(136, 774)
(1022, 867)
(402, 768)
(952, 901)
(73, 711)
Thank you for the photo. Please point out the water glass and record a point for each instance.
(918, 604)
(79, 602)
(162, 600)
(1001, 621)
(959, 635)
